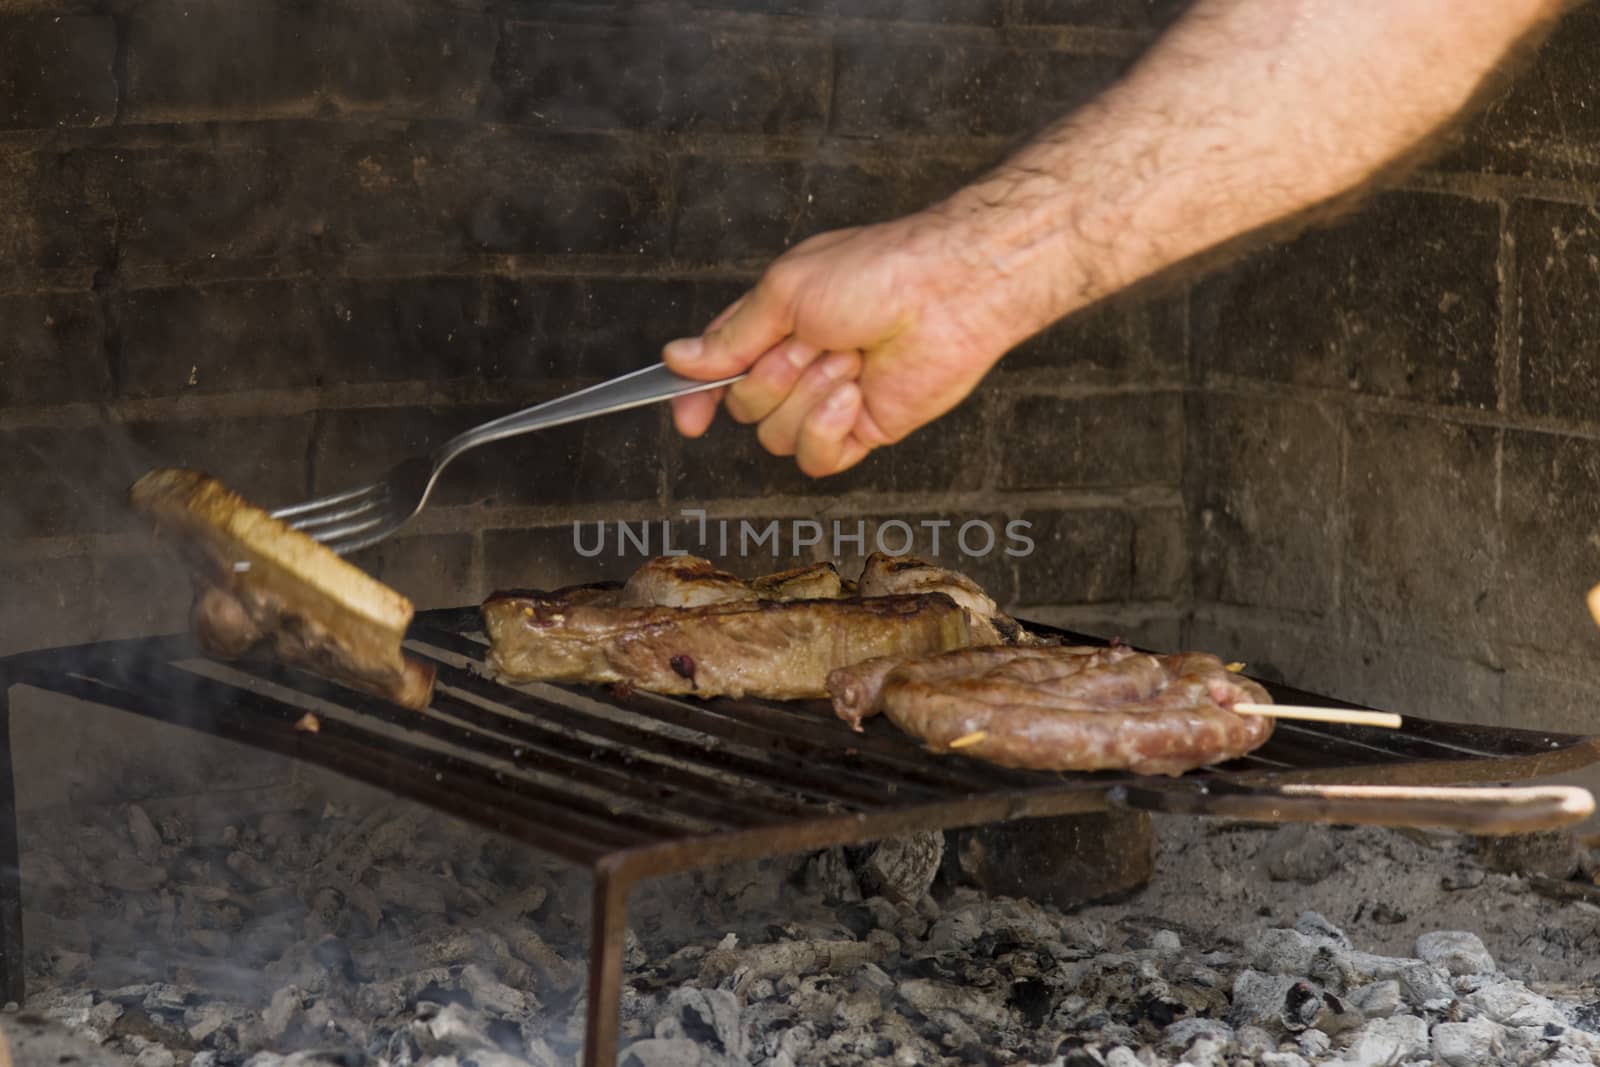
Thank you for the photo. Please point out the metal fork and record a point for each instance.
(357, 518)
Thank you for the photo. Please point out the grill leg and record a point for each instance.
(11, 973)
(608, 928)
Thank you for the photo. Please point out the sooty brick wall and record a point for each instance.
(293, 244)
(1392, 483)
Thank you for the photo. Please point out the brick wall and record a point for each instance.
(1393, 468)
(293, 244)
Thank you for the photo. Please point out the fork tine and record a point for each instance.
(321, 502)
(345, 546)
(331, 534)
(328, 516)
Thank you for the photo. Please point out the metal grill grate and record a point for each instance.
(634, 785)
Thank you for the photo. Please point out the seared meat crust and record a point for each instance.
(780, 650)
(263, 587)
(1063, 708)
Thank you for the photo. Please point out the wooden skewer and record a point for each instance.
(1384, 719)
(967, 740)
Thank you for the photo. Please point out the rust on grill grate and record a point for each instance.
(635, 785)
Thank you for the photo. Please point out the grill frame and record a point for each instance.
(695, 783)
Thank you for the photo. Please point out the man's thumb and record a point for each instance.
(735, 340)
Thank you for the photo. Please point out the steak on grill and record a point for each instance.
(263, 587)
(778, 649)
(1065, 708)
(680, 625)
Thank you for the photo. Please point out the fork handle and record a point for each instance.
(648, 386)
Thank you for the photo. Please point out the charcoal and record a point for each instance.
(1317, 927)
(129, 874)
(1277, 1003)
(1468, 1044)
(1513, 1004)
(1206, 1052)
(931, 998)
(1282, 1059)
(1551, 853)
(903, 868)
(152, 1053)
(1384, 1042)
(1457, 951)
(1313, 1043)
(146, 838)
(669, 1052)
(491, 994)
(1378, 1000)
(830, 876)
(1180, 1035)
(710, 1017)
(1426, 987)
(1304, 854)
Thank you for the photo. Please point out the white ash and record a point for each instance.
(383, 935)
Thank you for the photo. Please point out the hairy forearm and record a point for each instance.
(1246, 113)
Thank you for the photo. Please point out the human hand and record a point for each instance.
(853, 339)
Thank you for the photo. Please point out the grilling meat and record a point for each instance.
(680, 625)
(1062, 709)
(263, 587)
(777, 649)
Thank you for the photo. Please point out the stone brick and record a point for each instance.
(547, 557)
(1079, 557)
(48, 602)
(1436, 685)
(432, 570)
(1547, 122)
(57, 71)
(942, 88)
(512, 192)
(1543, 702)
(1261, 484)
(56, 481)
(612, 458)
(142, 592)
(270, 335)
(1551, 499)
(1275, 650)
(658, 77)
(974, 544)
(261, 457)
(440, 191)
(53, 351)
(54, 219)
(973, 12)
(1400, 300)
(1558, 258)
(1423, 539)
(746, 545)
(1110, 14)
(587, 327)
(1160, 554)
(734, 209)
(1084, 442)
(224, 338)
(1157, 629)
(762, 7)
(76, 481)
(729, 461)
(193, 204)
(196, 61)
(1115, 342)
